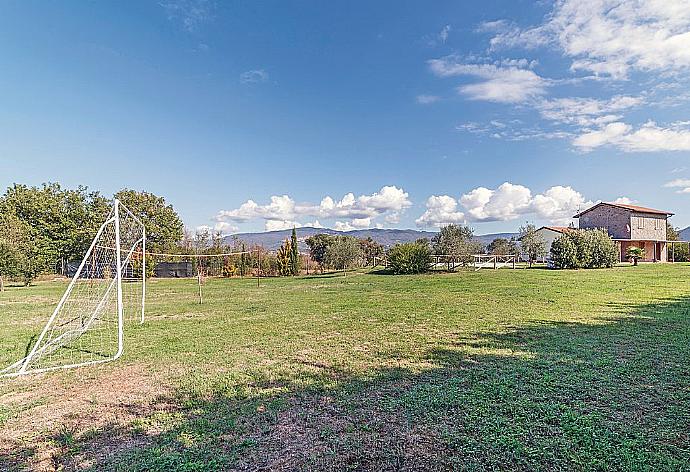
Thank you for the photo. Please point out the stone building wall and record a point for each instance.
(648, 226)
(616, 220)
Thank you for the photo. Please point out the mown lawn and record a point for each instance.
(508, 370)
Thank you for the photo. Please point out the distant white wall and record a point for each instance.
(549, 236)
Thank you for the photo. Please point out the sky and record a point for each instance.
(266, 115)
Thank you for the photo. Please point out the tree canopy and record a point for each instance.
(164, 228)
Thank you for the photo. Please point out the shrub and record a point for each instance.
(584, 249)
(564, 253)
(604, 250)
(409, 258)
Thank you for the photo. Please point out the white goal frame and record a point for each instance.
(23, 366)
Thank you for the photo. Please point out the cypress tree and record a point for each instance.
(294, 253)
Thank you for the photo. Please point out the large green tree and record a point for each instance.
(164, 228)
(457, 241)
(60, 222)
(343, 253)
(318, 247)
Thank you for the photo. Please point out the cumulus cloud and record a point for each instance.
(506, 202)
(507, 82)
(647, 138)
(283, 212)
(611, 37)
(440, 210)
(503, 203)
(558, 204)
(254, 76)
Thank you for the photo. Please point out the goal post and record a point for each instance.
(87, 325)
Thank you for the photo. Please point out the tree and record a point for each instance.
(531, 243)
(584, 249)
(456, 240)
(318, 247)
(343, 253)
(564, 253)
(294, 253)
(19, 254)
(502, 246)
(283, 258)
(60, 222)
(12, 235)
(409, 258)
(164, 228)
(371, 250)
(672, 234)
(604, 251)
(634, 253)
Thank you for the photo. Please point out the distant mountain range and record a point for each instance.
(684, 234)
(272, 240)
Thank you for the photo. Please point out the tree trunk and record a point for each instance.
(2, 284)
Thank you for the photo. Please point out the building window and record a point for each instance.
(640, 222)
(657, 224)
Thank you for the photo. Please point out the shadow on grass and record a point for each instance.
(549, 396)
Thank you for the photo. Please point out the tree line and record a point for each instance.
(42, 227)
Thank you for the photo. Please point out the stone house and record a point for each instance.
(630, 225)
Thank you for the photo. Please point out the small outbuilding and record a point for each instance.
(550, 233)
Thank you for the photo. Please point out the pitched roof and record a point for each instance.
(557, 229)
(639, 209)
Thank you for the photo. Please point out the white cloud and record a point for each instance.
(647, 138)
(343, 226)
(558, 204)
(361, 223)
(611, 37)
(624, 201)
(282, 211)
(278, 225)
(682, 185)
(509, 83)
(506, 202)
(225, 227)
(443, 34)
(586, 111)
(427, 99)
(440, 210)
(254, 76)
(191, 13)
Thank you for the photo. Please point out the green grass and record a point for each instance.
(511, 370)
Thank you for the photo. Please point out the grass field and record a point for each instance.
(509, 370)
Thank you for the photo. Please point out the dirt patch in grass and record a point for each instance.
(47, 413)
(316, 431)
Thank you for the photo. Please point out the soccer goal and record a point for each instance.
(109, 288)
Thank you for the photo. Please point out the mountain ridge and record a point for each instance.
(272, 240)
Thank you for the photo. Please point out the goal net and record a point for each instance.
(87, 326)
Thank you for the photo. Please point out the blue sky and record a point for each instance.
(264, 115)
